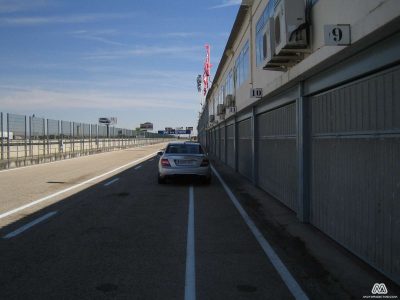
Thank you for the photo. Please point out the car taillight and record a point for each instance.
(205, 162)
(165, 162)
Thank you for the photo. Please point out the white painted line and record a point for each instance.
(6, 214)
(138, 167)
(190, 278)
(111, 182)
(29, 225)
(289, 280)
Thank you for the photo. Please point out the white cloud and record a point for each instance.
(227, 3)
(102, 36)
(183, 34)
(79, 18)
(145, 51)
(31, 99)
(12, 6)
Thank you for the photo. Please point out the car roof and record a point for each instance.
(183, 143)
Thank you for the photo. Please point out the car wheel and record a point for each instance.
(160, 179)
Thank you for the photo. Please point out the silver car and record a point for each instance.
(183, 158)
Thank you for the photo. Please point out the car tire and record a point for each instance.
(160, 179)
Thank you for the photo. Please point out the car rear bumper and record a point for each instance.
(167, 172)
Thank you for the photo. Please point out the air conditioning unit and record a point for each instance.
(268, 41)
(220, 109)
(229, 100)
(212, 118)
(288, 16)
(273, 61)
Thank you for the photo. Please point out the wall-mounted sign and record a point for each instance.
(337, 35)
(256, 93)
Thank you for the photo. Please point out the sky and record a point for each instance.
(78, 60)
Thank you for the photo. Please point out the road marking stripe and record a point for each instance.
(138, 167)
(111, 182)
(6, 214)
(29, 225)
(190, 278)
(289, 280)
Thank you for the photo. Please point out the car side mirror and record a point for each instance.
(159, 153)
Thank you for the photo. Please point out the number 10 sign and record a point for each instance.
(256, 93)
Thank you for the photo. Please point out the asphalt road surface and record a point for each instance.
(101, 227)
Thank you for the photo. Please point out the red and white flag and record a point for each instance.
(207, 70)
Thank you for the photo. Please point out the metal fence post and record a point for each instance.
(2, 136)
(30, 136)
(44, 137)
(25, 138)
(81, 131)
(73, 137)
(303, 155)
(48, 139)
(8, 139)
(58, 137)
(90, 138)
(97, 137)
(82, 137)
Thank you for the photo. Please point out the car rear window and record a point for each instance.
(184, 149)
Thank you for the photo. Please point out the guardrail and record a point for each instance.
(26, 140)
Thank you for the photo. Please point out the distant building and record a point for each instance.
(148, 126)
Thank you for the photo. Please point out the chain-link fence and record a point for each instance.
(28, 140)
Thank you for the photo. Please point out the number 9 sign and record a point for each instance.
(337, 35)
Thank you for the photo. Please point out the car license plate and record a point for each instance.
(185, 162)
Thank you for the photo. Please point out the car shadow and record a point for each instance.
(186, 180)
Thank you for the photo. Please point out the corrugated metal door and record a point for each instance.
(214, 146)
(277, 154)
(244, 148)
(230, 150)
(217, 142)
(222, 145)
(355, 181)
